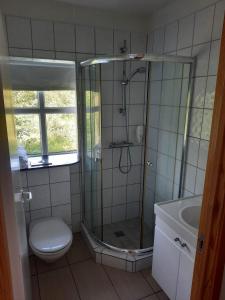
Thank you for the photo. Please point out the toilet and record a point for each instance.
(50, 238)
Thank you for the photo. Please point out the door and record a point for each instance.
(185, 277)
(12, 215)
(165, 265)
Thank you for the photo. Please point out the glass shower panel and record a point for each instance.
(92, 149)
(168, 91)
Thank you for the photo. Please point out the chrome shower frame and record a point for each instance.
(148, 58)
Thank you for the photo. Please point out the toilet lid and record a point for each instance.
(50, 235)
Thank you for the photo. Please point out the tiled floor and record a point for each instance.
(77, 276)
(131, 237)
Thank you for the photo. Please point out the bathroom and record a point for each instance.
(112, 109)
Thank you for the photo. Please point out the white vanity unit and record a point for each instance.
(175, 243)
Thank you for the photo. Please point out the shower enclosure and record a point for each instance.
(135, 124)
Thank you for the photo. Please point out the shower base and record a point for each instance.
(112, 252)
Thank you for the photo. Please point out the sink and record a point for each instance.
(190, 215)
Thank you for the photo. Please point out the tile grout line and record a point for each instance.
(110, 280)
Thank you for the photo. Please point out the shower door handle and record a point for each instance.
(149, 164)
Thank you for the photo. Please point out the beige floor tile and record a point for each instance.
(58, 285)
(92, 281)
(33, 270)
(148, 276)
(78, 252)
(152, 297)
(35, 288)
(162, 296)
(129, 286)
(47, 267)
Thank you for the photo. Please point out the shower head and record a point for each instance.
(138, 70)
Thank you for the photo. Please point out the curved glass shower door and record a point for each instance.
(92, 182)
(135, 125)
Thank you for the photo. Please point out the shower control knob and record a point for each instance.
(149, 163)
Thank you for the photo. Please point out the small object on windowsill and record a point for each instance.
(40, 162)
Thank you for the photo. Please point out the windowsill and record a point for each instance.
(53, 161)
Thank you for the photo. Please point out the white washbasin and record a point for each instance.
(190, 215)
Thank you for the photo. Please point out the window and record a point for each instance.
(46, 121)
(44, 96)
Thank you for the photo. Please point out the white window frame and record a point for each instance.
(42, 111)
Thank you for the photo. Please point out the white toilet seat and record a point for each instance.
(50, 238)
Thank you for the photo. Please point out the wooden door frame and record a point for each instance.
(210, 260)
(6, 285)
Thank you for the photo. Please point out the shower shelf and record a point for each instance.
(120, 145)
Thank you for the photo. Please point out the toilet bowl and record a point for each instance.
(50, 238)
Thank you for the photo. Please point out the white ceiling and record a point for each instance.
(136, 7)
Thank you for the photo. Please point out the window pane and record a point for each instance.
(28, 132)
(61, 132)
(60, 98)
(25, 98)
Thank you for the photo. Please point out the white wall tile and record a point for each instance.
(167, 142)
(199, 92)
(192, 151)
(158, 40)
(19, 32)
(134, 176)
(214, 57)
(42, 35)
(218, 20)
(63, 212)
(118, 213)
(20, 52)
(107, 178)
(40, 197)
(132, 210)
(119, 195)
(23, 176)
(64, 37)
(119, 179)
(75, 183)
(155, 92)
(37, 177)
(170, 43)
(40, 213)
(171, 91)
(107, 92)
(154, 116)
(164, 189)
(136, 155)
(60, 193)
(106, 115)
(203, 25)
(59, 174)
(76, 203)
(206, 124)
(104, 41)
(133, 193)
(107, 215)
(107, 197)
(119, 37)
(202, 54)
(85, 39)
(190, 178)
(44, 54)
(210, 92)
(76, 222)
(107, 158)
(168, 119)
(165, 166)
(65, 55)
(138, 42)
(152, 138)
(200, 179)
(185, 34)
(203, 154)
(196, 122)
(136, 114)
(137, 92)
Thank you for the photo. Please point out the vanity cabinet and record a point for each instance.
(173, 263)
